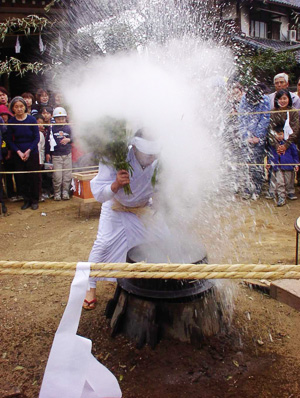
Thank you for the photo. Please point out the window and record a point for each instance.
(258, 29)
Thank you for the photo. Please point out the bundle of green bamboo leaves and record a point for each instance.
(109, 145)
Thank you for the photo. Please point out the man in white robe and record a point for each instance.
(124, 220)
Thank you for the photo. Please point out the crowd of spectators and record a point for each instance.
(265, 136)
(34, 135)
(262, 131)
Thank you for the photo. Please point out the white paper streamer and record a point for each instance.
(72, 371)
(79, 188)
(68, 47)
(41, 44)
(52, 141)
(287, 128)
(60, 44)
(17, 46)
(73, 185)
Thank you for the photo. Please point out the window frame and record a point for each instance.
(258, 29)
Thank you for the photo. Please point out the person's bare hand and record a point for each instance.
(122, 179)
(26, 155)
(281, 149)
(21, 154)
(65, 141)
(253, 140)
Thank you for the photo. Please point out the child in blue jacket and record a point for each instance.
(59, 146)
(283, 171)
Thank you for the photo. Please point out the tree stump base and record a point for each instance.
(147, 321)
(148, 310)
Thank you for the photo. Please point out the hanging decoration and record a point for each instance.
(15, 65)
(41, 44)
(60, 44)
(24, 25)
(68, 46)
(17, 46)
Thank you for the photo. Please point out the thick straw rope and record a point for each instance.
(87, 167)
(155, 271)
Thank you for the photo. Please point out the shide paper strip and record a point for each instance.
(72, 371)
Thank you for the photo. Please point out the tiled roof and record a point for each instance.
(276, 45)
(266, 44)
(293, 3)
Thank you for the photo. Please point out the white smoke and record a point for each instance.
(176, 91)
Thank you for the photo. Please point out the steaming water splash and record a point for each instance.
(171, 83)
(162, 66)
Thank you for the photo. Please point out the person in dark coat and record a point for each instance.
(23, 137)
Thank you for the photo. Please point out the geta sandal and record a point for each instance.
(89, 305)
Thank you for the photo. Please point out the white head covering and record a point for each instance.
(145, 146)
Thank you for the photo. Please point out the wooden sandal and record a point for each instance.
(89, 305)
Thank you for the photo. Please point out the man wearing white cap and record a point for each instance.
(123, 221)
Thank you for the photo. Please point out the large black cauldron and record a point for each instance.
(178, 251)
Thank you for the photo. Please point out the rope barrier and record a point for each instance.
(93, 168)
(38, 124)
(263, 164)
(155, 271)
(229, 114)
(263, 112)
(87, 167)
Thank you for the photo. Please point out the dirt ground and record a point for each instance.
(259, 356)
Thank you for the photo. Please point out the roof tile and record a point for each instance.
(294, 3)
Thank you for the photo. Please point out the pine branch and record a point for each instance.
(19, 67)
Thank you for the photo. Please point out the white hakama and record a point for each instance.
(119, 231)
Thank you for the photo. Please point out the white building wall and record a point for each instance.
(284, 34)
(245, 21)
